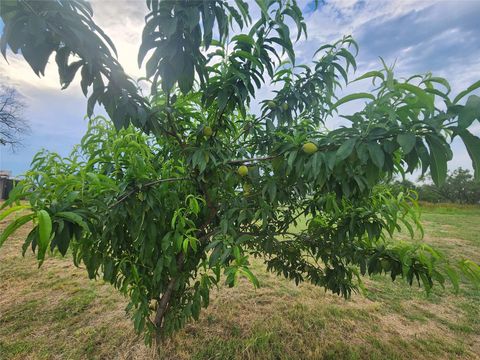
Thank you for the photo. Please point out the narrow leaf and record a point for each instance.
(472, 143)
(13, 226)
(438, 160)
(44, 232)
(352, 97)
(345, 149)
(407, 142)
(376, 154)
(466, 92)
(13, 209)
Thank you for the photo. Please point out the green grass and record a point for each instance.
(56, 312)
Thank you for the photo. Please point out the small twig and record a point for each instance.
(278, 233)
(154, 182)
(137, 188)
(241, 161)
(243, 131)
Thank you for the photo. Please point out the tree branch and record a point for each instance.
(151, 183)
(165, 299)
(12, 124)
(242, 161)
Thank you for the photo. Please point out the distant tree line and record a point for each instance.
(460, 187)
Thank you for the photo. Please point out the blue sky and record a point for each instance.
(421, 36)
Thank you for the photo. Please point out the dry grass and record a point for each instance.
(56, 313)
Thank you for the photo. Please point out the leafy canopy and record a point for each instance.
(159, 204)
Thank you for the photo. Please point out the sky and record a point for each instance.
(437, 36)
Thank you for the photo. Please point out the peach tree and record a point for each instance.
(178, 190)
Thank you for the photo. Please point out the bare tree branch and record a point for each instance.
(12, 123)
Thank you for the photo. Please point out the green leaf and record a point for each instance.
(243, 7)
(471, 270)
(376, 154)
(13, 209)
(291, 158)
(350, 59)
(371, 74)
(29, 239)
(196, 307)
(470, 112)
(466, 92)
(193, 243)
(252, 278)
(453, 277)
(345, 149)
(187, 76)
(352, 97)
(423, 97)
(73, 218)
(236, 253)
(440, 81)
(472, 143)
(438, 160)
(423, 155)
(372, 173)
(263, 7)
(44, 233)
(244, 38)
(246, 55)
(61, 238)
(407, 142)
(14, 225)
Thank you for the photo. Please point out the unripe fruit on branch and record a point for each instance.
(309, 148)
(242, 170)
(207, 131)
(271, 104)
(285, 106)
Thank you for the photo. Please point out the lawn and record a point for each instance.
(56, 313)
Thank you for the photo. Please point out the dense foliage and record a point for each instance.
(190, 183)
(460, 187)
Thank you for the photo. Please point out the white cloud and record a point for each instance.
(336, 18)
(123, 21)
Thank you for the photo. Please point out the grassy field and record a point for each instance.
(56, 313)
